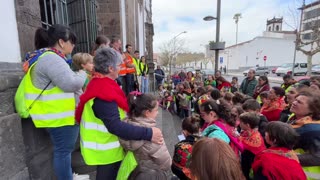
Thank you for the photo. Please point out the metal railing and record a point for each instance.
(80, 15)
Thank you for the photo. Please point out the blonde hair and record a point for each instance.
(80, 58)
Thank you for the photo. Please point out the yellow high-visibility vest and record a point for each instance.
(98, 145)
(312, 172)
(54, 108)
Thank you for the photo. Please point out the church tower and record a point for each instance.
(274, 25)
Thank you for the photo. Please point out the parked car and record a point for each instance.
(273, 70)
(316, 69)
(260, 71)
(299, 68)
(187, 69)
(206, 72)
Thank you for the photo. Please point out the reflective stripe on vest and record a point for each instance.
(123, 69)
(47, 97)
(130, 61)
(54, 108)
(98, 145)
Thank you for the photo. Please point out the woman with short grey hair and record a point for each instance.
(101, 110)
(105, 58)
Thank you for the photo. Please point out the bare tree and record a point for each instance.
(169, 51)
(308, 47)
(311, 46)
(189, 57)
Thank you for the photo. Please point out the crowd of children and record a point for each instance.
(277, 123)
(232, 131)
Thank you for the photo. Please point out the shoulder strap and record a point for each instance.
(39, 95)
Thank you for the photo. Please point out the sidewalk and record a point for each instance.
(276, 80)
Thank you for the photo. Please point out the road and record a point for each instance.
(274, 80)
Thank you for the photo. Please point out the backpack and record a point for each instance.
(19, 98)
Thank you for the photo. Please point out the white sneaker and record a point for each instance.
(81, 177)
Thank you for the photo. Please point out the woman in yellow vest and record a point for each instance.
(101, 109)
(54, 108)
(306, 122)
(143, 69)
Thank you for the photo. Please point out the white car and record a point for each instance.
(299, 68)
(260, 71)
(316, 69)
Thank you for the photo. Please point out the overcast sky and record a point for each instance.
(170, 17)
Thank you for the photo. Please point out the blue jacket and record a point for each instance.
(159, 74)
(214, 131)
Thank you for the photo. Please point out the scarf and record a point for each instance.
(278, 163)
(252, 141)
(296, 123)
(103, 88)
(235, 143)
(32, 57)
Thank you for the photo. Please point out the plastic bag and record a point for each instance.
(19, 101)
(128, 164)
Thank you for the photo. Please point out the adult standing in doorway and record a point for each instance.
(131, 70)
(249, 83)
(159, 74)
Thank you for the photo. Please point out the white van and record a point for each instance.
(299, 68)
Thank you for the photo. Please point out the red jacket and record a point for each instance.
(224, 84)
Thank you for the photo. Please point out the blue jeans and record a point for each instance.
(129, 83)
(144, 84)
(63, 140)
(122, 80)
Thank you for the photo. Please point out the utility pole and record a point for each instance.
(217, 35)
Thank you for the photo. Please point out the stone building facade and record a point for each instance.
(26, 152)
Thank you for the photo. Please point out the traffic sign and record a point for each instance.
(221, 60)
(264, 58)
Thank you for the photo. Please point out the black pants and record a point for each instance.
(108, 171)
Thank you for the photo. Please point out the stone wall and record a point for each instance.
(26, 152)
(28, 20)
(130, 22)
(108, 18)
(12, 151)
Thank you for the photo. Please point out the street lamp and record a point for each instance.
(217, 45)
(174, 49)
(236, 18)
(228, 56)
